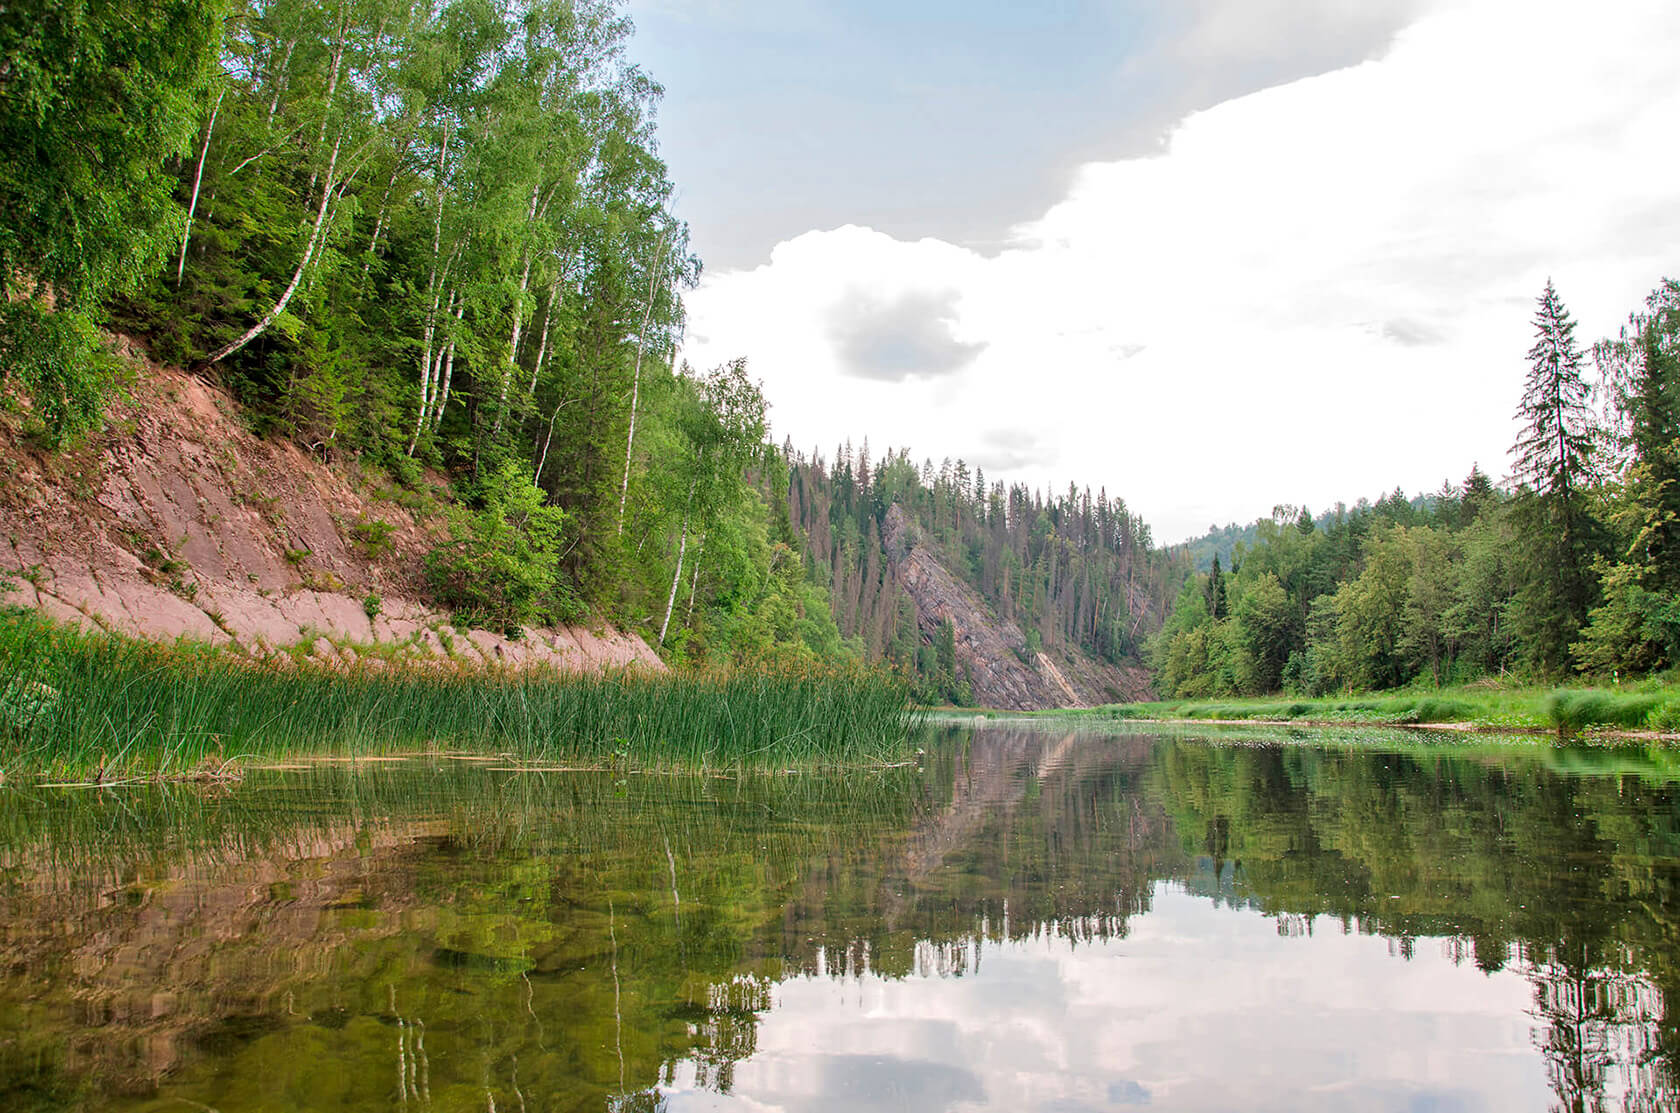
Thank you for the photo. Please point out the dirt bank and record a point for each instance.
(178, 522)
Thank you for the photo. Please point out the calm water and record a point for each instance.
(1028, 921)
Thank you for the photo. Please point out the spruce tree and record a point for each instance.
(1217, 603)
(1643, 366)
(1553, 465)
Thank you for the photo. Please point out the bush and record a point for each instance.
(1665, 716)
(500, 567)
(62, 363)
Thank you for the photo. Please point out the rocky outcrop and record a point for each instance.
(992, 649)
(180, 522)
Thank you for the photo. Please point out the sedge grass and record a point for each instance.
(102, 708)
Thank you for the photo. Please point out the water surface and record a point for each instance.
(1027, 920)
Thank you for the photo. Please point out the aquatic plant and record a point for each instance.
(123, 708)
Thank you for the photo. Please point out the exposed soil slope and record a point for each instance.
(179, 522)
(993, 649)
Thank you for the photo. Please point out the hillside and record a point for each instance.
(992, 653)
(178, 521)
(987, 595)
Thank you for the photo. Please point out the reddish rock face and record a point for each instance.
(181, 523)
(993, 649)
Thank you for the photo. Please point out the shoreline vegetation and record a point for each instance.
(100, 709)
(1644, 710)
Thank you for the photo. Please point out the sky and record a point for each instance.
(1208, 255)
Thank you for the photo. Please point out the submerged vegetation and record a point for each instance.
(100, 708)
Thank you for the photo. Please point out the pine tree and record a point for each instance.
(1554, 456)
(1217, 603)
(1643, 368)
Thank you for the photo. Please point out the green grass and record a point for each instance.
(78, 705)
(1647, 706)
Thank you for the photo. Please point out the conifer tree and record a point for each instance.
(1643, 368)
(1217, 603)
(1554, 459)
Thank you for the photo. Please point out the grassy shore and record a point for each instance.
(1647, 706)
(102, 708)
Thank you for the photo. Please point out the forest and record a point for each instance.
(1074, 570)
(437, 240)
(1569, 569)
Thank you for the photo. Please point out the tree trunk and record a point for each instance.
(536, 476)
(676, 577)
(518, 314)
(542, 345)
(434, 288)
(636, 378)
(198, 178)
(280, 82)
(694, 580)
(384, 208)
(273, 314)
(448, 368)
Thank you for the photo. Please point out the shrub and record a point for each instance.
(500, 566)
(372, 536)
(63, 364)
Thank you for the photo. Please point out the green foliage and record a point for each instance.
(95, 98)
(1576, 710)
(372, 536)
(1075, 571)
(499, 566)
(1473, 581)
(62, 363)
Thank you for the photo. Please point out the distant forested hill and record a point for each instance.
(1077, 572)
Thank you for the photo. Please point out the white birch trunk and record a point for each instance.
(198, 179)
(280, 82)
(273, 314)
(694, 579)
(542, 345)
(518, 313)
(428, 380)
(448, 368)
(676, 577)
(636, 380)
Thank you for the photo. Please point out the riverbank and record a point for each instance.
(1649, 709)
(101, 709)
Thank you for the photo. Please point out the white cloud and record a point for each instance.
(1315, 292)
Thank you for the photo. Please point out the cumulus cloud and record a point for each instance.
(1313, 292)
(897, 338)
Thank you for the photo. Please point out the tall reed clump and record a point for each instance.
(82, 703)
(1572, 709)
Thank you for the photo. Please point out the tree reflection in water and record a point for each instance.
(441, 935)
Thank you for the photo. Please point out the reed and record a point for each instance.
(104, 708)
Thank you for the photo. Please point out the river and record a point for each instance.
(1025, 919)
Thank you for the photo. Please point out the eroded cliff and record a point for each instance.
(993, 650)
(178, 521)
